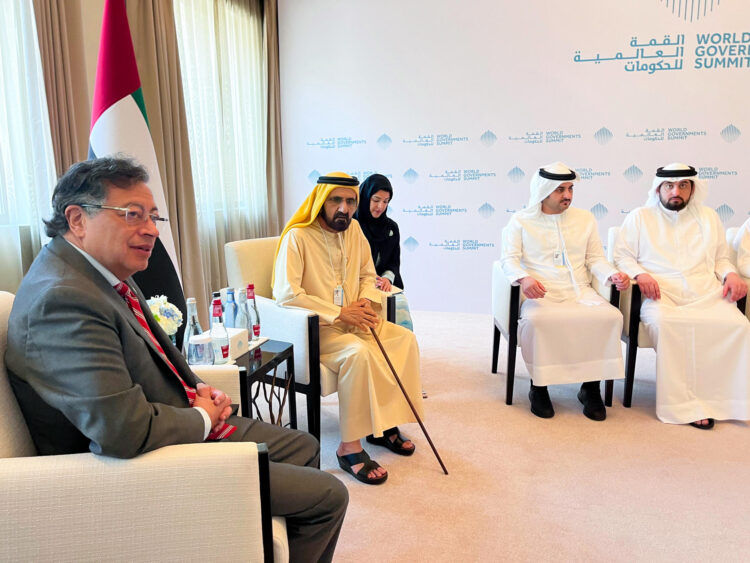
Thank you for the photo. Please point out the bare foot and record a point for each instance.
(354, 448)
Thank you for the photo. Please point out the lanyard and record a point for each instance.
(330, 258)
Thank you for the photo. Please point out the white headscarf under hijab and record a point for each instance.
(555, 174)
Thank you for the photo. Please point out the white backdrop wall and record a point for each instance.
(458, 103)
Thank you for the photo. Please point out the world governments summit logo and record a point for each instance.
(486, 211)
(411, 244)
(516, 174)
(725, 212)
(691, 10)
(411, 176)
(730, 133)
(313, 176)
(633, 174)
(603, 136)
(488, 138)
(384, 141)
(599, 211)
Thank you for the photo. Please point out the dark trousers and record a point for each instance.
(312, 501)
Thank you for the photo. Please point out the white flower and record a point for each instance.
(167, 315)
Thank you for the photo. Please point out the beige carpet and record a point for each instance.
(525, 489)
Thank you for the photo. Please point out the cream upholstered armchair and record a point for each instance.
(155, 507)
(506, 312)
(251, 261)
(634, 333)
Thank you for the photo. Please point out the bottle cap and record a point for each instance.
(189, 300)
(251, 286)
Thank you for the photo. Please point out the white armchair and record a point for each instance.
(251, 261)
(156, 507)
(506, 312)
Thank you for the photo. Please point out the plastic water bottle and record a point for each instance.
(252, 313)
(241, 321)
(193, 326)
(230, 309)
(219, 335)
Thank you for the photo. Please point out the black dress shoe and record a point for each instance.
(541, 405)
(591, 399)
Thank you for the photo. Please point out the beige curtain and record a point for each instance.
(155, 42)
(274, 161)
(59, 29)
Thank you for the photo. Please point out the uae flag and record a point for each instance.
(119, 126)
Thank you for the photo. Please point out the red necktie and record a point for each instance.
(132, 301)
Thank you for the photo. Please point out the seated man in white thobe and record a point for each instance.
(568, 333)
(742, 245)
(324, 264)
(675, 248)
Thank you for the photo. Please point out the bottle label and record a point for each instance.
(256, 330)
(217, 309)
(251, 293)
(225, 351)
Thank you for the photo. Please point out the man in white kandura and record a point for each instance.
(741, 244)
(675, 248)
(324, 264)
(568, 333)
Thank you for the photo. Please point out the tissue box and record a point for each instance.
(237, 342)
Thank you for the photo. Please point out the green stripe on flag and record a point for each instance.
(138, 97)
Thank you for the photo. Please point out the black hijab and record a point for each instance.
(374, 229)
(382, 233)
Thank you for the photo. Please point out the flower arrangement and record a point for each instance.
(167, 315)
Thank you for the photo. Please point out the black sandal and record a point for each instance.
(396, 445)
(708, 426)
(348, 460)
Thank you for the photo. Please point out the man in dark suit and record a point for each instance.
(91, 371)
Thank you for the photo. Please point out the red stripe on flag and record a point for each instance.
(116, 70)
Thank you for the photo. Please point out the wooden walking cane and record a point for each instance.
(408, 400)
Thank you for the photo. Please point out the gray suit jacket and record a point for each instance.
(85, 373)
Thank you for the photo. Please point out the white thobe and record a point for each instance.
(742, 244)
(572, 334)
(702, 340)
(310, 264)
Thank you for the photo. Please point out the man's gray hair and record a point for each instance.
(88, 182)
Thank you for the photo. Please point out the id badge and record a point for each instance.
(558, 258)
(338, 296)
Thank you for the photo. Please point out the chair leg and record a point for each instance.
(511, 374)
(632, 350)
(313, 414)
(495, 348)
(608, 392)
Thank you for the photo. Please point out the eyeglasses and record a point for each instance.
(134, 214)
(338, 200)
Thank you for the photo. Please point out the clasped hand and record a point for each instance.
(215, 402)
(359, 314)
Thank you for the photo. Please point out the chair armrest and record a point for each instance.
(224, 377)
(288, 324)
(603, 289)
(500, 297)
(167, 505)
